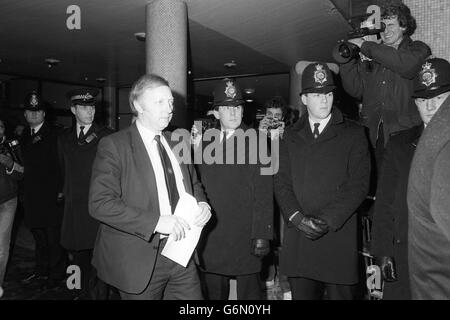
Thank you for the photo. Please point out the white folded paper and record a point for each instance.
(181, 251)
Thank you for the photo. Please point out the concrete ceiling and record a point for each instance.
(262, 36)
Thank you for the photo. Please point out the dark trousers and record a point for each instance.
(308, 289)
(217, 287)
(379, 148)
(49, 255)
(170, 281)
(82, 259)
(91, 285)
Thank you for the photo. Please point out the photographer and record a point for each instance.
(382, 76)
(10, 171)
(273, 122)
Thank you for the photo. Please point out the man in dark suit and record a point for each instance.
(42, 183)
(77, 149)
(322, 179)
(135, 186)
(390, 219)
(242, 201)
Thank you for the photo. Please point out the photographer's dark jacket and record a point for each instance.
(326, 177)
(42, 178)
(79, 229)
(8, 181)
(385, 85)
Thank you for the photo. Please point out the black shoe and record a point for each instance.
(34, 277)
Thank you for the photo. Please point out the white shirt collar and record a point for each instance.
(323, 123)
(146, 132)
(85, 129)
(37, 128)
(228, 131)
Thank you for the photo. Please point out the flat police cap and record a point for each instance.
(33, 102)
(433, 79)
(83, 96)
(227, 93)
(317, 78)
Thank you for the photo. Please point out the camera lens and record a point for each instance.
(344, 51)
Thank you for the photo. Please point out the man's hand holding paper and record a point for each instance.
(196, 215)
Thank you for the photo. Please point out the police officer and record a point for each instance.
(242, 200)
(390, 219)
(42, 184)
(429, 188)
(323, 177)
(77, 149)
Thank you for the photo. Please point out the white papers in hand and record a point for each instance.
(181, 251)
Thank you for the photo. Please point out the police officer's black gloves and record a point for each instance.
(312, 227)
(260, 247)
(387, 266)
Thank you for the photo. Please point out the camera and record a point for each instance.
(345, 51)
(274, 124)
(11, 148)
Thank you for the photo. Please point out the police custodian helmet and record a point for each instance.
(33, 102)
(317, 78)
(433, 79)
(227, 93)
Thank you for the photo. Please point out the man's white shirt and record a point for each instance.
(148, 137)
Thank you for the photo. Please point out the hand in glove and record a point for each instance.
(313, 227)
(260, 247)
(388, 270)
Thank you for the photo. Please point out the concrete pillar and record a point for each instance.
(294, 91)
(166, 49)
(110, 106)
(432, 24)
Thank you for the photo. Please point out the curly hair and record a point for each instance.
(276, 102)
(396, 8)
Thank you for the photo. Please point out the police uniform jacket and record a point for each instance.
(390, 217)
(326, 177)
(42, 177)
(242, 206)
(79, 229)
(385, 85)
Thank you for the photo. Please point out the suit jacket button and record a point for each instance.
(398, 241)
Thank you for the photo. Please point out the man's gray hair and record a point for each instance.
(147, 81)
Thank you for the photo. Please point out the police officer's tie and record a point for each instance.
(169, 174)
(81, 135)
(316, 130)
(33, 131)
